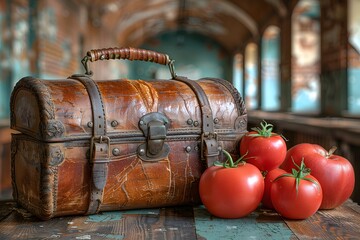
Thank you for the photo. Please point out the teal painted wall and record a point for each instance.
(270, 74)
(306, 58)
(353, 90)
(2, 82)
(5, 64)
(14, 56)
(251, 76)
(238, 73)
(195, 57)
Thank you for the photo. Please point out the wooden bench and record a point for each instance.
(180, 223)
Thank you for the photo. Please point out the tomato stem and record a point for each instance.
(331, 151)
(229, 163)
(265, 130)
(299, 174)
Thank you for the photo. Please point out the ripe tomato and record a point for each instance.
(335, 173)
(231, 190)
(297, 195)
(264, 149)
(268, 180)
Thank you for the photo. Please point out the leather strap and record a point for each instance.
(100, 144)
(209, 142)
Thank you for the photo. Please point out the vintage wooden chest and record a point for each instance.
(86, 146)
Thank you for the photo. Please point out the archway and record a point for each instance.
(305, 77)
(270, 55)
(251, 76)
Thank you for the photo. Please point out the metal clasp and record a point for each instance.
(154, 126)
(156, 137)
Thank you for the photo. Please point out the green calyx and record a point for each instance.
(265, 130)
(229, 163)
(299, 175)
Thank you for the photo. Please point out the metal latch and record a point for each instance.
(154, 126)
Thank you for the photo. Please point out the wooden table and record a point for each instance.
(180, 223)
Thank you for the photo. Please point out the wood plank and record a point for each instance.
(164, 223)
(340, 223)
(261, 224)
(353, 205)
(6, 208)
(180, 223)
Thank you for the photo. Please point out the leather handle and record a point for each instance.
(127, 53)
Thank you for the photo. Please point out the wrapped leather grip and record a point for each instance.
(129, 54)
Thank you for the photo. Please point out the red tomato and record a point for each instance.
(264, 149)
(268, 180)
(296, 204)
(231, 192)
(335, 173)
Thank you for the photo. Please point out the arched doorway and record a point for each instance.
(270, 85)
(238, 64)
(251, 76)
(305, 77)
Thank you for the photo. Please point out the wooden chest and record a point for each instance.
(86, 146)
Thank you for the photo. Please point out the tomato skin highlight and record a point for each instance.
(268, 181)
(296, 205)
(334, 173)
(266, 153)
(231, 192)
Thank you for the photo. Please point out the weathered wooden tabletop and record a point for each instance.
(180, 223)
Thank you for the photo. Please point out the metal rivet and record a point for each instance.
(196, 148)
(114, 123)
(196, 123)
(141, 152)
(116, 152)
(241, 124)
(188, 149)
(216, 120)
(90, 124)
(141, 122)
(190, 121)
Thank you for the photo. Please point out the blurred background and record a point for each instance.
(295, 62)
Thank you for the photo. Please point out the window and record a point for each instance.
(238, 73)
(206, 57)
(354, 57)
(305, 89)
(14, 56)
(251, 76)
(270, 86)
